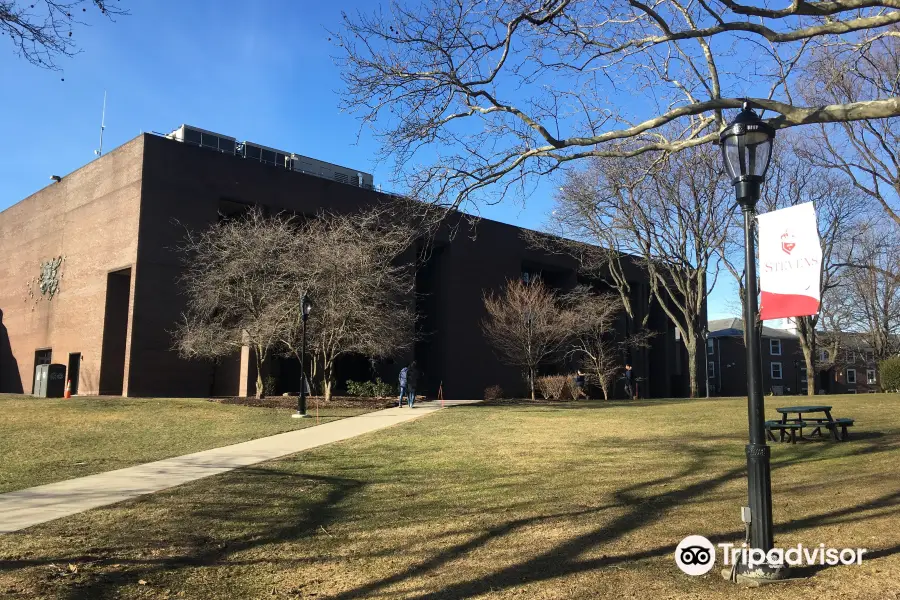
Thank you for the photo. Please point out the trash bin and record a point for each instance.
(50, 381)
(56, 381)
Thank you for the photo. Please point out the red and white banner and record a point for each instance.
(790, 263)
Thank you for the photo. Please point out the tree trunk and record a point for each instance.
(691, 347)
(807, 335)
(531, 382)
(260, 361)
(327, 372)
(604, 386)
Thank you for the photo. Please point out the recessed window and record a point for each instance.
(775, 347)
(709, 346)
(851, 375)
(870, 355)
(711, 369)
(824, 355)
(870, 377)
(775, 370)
(851, 356)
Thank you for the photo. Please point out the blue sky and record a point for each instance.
(260, 71)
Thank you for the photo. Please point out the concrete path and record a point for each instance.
(24, 508)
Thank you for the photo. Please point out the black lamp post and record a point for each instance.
(305, 307)
(746, 150)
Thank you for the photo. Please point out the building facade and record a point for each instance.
(853, 371)
(89, 275)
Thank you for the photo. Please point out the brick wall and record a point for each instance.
(90, 219)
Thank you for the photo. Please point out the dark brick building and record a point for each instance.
(784, 370)
(101, 243)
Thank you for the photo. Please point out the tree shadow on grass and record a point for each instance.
(278, 528)
(564, 559)
(300, 517)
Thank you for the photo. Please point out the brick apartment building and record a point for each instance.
(784, 370)
(89, 268)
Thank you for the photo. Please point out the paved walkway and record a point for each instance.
(24, 508)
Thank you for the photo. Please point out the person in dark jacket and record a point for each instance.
(403, 378)
(580, 385)
(412, 379)
(629, 381)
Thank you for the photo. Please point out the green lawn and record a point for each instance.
(45, 440)
(566, 502)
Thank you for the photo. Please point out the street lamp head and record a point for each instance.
(305, 306)
(747, 147)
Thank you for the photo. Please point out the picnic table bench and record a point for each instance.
(792, 425)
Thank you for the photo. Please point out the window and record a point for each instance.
(870, 355)
(709, 346)
(775, 347)
(870, 377)
(851, 376)
(824, 355)
(711, 369)
(775, 370)
(851, 356)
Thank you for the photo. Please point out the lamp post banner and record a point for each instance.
(790, 262)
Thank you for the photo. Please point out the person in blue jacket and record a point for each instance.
(403, 375)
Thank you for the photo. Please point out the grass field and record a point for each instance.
(577, 501)
(45, 440)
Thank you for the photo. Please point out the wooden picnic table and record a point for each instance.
(817, 422)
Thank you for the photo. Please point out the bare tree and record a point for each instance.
(598, 343)
(866, 151)
(491, 94)
(360, 286)
(241, 288)
(526, 325)
(868, 299)
(41, 31)
(670, 214)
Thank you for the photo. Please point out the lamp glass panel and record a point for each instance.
(747, 154)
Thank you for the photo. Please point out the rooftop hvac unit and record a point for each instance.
(269, 156)
(320, 168)
(203, 138)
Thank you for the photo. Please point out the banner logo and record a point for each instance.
(788, 242)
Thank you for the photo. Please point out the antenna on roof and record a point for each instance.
(102, 126)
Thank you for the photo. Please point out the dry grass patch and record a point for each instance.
(45, 440)
(584, 500)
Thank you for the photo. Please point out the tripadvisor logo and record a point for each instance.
(696, 555)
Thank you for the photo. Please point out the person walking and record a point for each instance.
(580, 385)
(629, 381)
(412, 379)
(404, 373)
